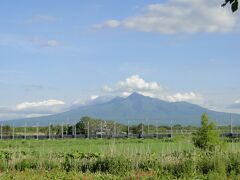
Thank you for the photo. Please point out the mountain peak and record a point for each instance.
(135, 95)
(135, 108)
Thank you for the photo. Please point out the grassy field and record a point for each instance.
(110, 159)
(104, 146)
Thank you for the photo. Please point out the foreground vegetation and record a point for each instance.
(202, 155)
(115, 159)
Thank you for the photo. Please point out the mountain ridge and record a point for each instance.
(133, 109)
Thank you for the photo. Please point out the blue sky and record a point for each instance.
(55, 54)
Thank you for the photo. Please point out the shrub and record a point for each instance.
(49, 165)
(67, 165)
(112, 165)
(216, 176)
(5, 155)
(3, 165)
(207, 136)
(26, 164)
(205, 164)
(149, 164)
(181, 169)
(233, 164)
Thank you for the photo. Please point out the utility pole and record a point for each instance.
(66, 129)
(157, 129)
(72, 130)
(49, 131)
(75, 131)
(231, 123)
(148, 126)
(13, 132)
(128, 129)
(88, 130)
(142, 128)
(25, 131)
(62, 130)
(37, 130)
(171, 128)
(1, 132)
(101, 129)
(115, 129)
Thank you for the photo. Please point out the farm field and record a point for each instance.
(103, 146)
(115, 159)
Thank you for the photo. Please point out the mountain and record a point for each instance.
(133, 109)
(99, 100)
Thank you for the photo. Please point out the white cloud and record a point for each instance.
(234, 106)
(107, 89)
(112, 23)
(42, 104)
(184, 97)
(132, 84)
(13, 40)
(44, 42)
(135, 83)
(94, 97)
(51, 43)
(125, 94)
(32, 109)
(179, 16)
(152, 89)
(237, 102)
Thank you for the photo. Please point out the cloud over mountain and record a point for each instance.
(135, 83)
(235, 105)
(32, 109)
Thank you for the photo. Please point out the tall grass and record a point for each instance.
(175, 159)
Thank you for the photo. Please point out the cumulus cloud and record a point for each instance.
(132, 84)
(32, 109)
(136, 83)
(36, 105)
(152, 89)
(192, 97)
(178, 16)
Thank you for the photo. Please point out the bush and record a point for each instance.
(113, 165)
(181, 169)
(26, 164)
(233, 164)
(68, 165)
(49, 165)
(216, 176)
(3, 165)
(205, 164)
(5, 155)
(207, 137)
(149, 164)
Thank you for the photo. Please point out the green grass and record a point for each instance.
(113, 159)
(119, 146)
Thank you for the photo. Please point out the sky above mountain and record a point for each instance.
(55, 55)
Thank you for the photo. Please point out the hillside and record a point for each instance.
(135, 109)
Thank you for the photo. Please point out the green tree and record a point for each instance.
(207, 137)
